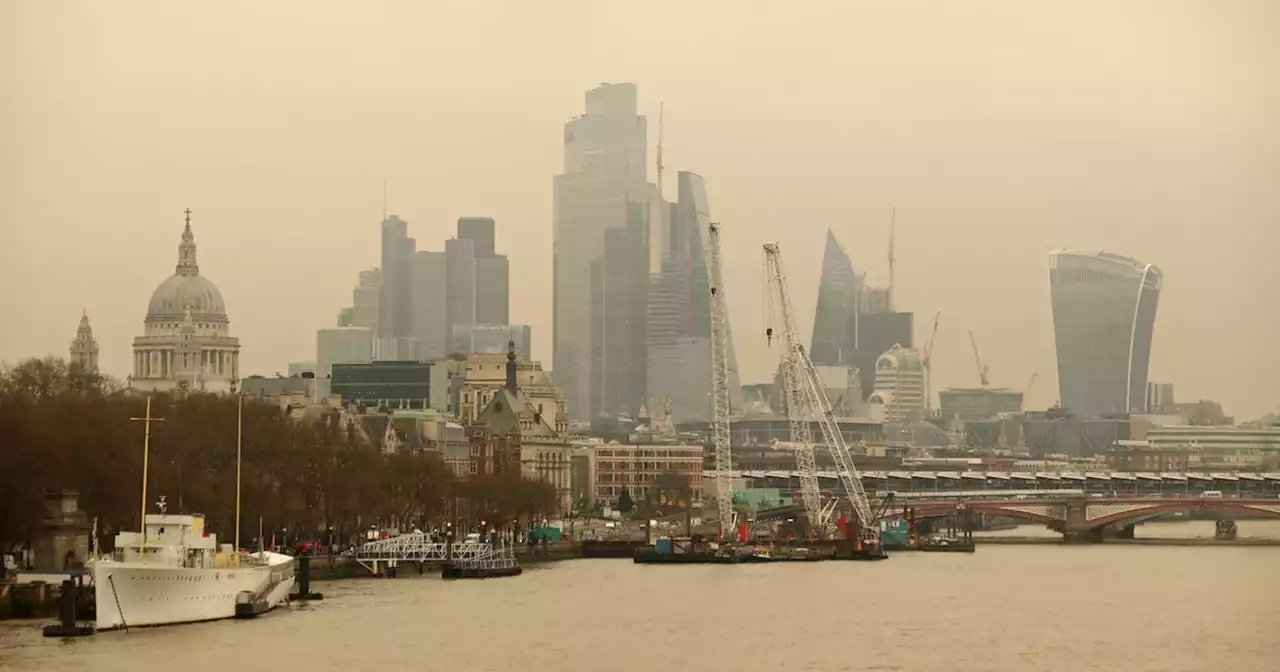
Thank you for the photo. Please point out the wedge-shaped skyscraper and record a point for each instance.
(836, 319)
(1104, 313)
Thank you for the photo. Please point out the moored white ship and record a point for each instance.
(172, 571)
(178, 575)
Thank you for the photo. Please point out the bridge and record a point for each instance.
(414, 547)
(1082, 518)
(1120, 483)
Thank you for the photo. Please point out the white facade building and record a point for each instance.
(1220, 447)
(187, 342)
(899, 386)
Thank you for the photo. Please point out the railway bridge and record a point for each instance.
(1087, 519)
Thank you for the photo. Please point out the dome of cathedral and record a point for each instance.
(179, 292)
(186, 289)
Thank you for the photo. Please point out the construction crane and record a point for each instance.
(816, 403)
(1026, 391)
(720, 389)
(793, 386)
(982, 370)
(926, 362)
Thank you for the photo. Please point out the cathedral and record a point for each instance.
(187, 342)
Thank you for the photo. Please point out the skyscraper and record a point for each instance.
(604, 170)
(460, 283)
(492, 271)
(679, 317)
(430, 273)
(363, 311)
(395, 317)
(619, 306)
(835, 319)
(1104, 313)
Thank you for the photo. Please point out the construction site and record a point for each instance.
(830, 528)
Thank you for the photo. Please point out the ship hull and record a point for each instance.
(131, 594)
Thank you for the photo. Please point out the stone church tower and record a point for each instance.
(84, 350)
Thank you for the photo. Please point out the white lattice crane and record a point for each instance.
(926, 362)
(793, 385)
(977, 357)
(720, 388)
(814, 404)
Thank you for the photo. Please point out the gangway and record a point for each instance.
(414, 547)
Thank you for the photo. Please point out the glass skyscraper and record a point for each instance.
(1104, 313)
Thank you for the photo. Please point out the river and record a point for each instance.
(1016, 608)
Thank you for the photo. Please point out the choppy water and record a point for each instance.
(1017, 608)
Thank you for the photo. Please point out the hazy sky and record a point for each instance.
(1000, 131)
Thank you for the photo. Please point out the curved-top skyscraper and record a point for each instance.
(1104, 313)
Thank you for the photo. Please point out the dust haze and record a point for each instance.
(1000, 131)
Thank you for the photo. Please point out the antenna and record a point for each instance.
(384, 198)
(893, 220)
(660, 111)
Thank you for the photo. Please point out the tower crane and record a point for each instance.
(982, 370)
(814, 399)
(797, 403)
(720, 388)
(1026, 391)
(926, 362)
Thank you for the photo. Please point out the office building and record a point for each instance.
(1104, 311)
(492, 339)
(430, 326)
(363, 311)
(978, 403)
(835, 318)
(899, 385)
(340, 345)
(492, 271)
(395, 295)
(619, 306)
(604, 170)
(406, 385)
(679, 310)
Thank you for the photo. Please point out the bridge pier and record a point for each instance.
(1075, 529)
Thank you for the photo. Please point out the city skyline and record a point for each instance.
(982, 194)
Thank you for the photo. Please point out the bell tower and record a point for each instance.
(84, 350)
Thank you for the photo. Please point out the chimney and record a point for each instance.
(511, 366)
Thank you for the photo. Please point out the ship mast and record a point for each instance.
(239, 441)
(146, 455)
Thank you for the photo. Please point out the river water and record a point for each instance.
(1017, 608)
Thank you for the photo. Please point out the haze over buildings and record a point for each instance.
(999, 130)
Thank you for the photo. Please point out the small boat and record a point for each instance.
(947, 545)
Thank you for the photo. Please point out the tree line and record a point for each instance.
(63, 427)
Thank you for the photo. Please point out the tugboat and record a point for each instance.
(1225, 530)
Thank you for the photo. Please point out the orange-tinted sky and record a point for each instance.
(1000, 129)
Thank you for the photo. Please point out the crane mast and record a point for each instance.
(815, 401)
(720, 388)
(839, 448)
(798, 407)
